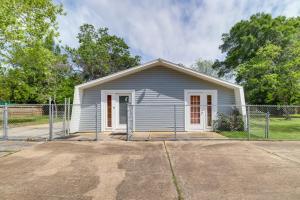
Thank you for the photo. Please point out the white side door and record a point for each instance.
(200, 109)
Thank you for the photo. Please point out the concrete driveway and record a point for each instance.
(37, 131)
(10, 147)
(237, 170)
(153, 170)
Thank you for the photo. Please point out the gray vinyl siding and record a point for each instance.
(88, 117)
(154, 86)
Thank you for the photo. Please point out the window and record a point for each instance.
(195, 109)
(209, 108)
(123, 101)
(109, 111)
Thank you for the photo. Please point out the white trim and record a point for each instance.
(102, 110)
(240, 100)
(214, 94)
(76, 110)
(104, 93)
(158, 62)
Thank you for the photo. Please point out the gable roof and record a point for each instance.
(158, 62)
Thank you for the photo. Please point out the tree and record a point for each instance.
(100, 53)
(33, 67)
(247, 36)
(37, 74)
(25, 22)
(272, 76)
(261, 52)
(205, 66)
(4, 91)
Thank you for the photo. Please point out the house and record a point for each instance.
(157, 93)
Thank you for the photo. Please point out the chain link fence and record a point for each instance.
(37, 122)
(152, 122)
(250, 122)
(275, 122)
(87, 117)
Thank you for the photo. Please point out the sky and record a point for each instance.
(180, 31)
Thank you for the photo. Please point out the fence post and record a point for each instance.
(248, 121)
(68, 116)
(65, 117)
(127, 123)
(50, 120)
(266, 121)
(96, 117)
(5, 122)
(267, 128)
(175, 122)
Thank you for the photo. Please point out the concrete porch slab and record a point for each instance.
(145, 136)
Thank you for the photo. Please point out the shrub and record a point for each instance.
(232, 122)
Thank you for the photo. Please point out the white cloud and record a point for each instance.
(180, 31)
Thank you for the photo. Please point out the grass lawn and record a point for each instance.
(280, 128)
(238, 135)
(26, 120)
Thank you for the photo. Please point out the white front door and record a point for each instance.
(114, 107)
(200, 109)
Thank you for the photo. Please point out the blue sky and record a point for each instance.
(176, 30)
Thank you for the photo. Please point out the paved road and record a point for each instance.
(142, 170)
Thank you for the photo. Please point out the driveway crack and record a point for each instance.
(175, 182)
(278, 155)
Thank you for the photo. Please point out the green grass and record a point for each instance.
(18, 121)
(238, 135)
(280, 129)
(295, 115)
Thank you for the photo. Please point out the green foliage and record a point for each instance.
(263, 53)
(4, 90)
(24, 22)
(273, 75)
(205, 66)
(37, 74)
(231, 122)
(32, 66)
(100, 53)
